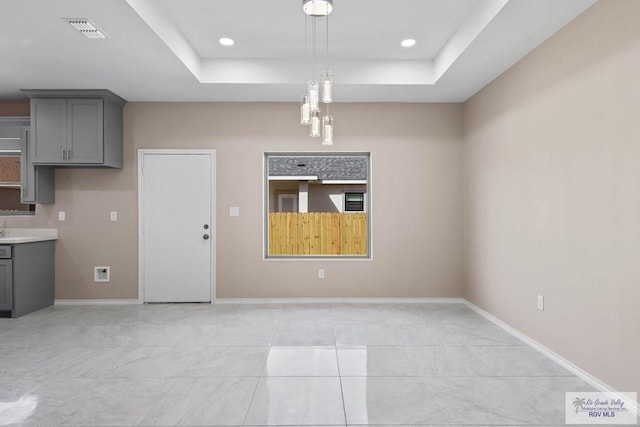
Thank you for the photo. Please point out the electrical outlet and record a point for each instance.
(62, 216)
(113, 216)
(101, 274)
(540, 303)
(321, 273)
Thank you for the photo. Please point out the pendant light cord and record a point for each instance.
(327, 59)
(314, 38)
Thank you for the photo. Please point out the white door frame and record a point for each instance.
(141, 153)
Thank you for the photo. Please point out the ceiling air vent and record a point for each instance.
(86, 27)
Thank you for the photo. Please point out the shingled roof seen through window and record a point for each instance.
(346, 168)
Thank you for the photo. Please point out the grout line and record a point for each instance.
(260, 377)
(335, 347)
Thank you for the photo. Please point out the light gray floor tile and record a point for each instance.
(390, 400)
(20, 402)
(171, 362)
(389, 334)
(86, 402)
(481, 401)
(447, 361)
(502, 401)
(203, 401)
(307, 334)
(297, 401)
(203, 364)
(43, 361)
(518, 360)
(480, 334)
(377, 361)
(547, 394)
(301, 362)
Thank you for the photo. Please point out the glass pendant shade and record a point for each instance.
(327, 130)
(315, 124)
(314, 95)
(305, 111)
(327, 83)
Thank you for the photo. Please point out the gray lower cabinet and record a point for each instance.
(6, 284)
(76, 128)
(27, 280)
(38, 182)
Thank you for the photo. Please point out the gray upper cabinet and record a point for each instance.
(38, 182)
(76, 128)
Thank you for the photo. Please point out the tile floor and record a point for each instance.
(268, 364)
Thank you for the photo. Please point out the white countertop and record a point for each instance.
(11, 236)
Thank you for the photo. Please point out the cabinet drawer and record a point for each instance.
(5, 251)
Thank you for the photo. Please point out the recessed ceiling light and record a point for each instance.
(226, 41)
(407, 43)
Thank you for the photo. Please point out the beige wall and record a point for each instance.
(553, 204)
(14, 108)
(416, 154)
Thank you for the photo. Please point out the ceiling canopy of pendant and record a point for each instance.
(317, 7)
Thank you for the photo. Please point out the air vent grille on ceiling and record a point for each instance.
(86, 27)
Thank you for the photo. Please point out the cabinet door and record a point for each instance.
(37, 182)
(27, 171)
(6, 284)
(49, 127)
(85, 129)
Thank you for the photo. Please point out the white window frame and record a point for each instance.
(368, 203)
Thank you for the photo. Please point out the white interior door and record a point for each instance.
(176, 209)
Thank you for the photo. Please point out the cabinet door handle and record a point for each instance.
(64, 154)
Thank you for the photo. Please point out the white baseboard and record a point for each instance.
(96, 302)
(338, 300)
(585, 376)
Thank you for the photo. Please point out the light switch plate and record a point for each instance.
(62, 216)
(113, 216)
(234, 211)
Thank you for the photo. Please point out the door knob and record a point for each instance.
(205, 237)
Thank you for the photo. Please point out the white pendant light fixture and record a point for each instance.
(310, 113)
(317, 7)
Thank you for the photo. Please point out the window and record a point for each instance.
(353, 202)
(287, 202)
(316, 205)
(12, 131)
(10, 189)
